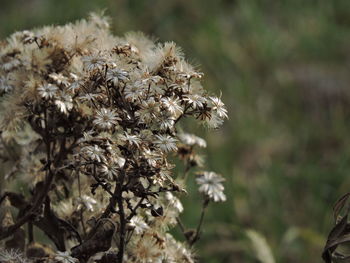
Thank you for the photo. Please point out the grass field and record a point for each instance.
(283, 69)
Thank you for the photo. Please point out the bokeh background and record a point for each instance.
(283, 69)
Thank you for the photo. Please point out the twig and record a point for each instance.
(133, 210)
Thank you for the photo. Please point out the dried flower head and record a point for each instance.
(106, 119)
(211, 185)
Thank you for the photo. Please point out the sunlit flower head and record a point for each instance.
(59, 79)
(109, 171)
(138, 225)
(95, 153)
(149, 111)
(47, 91)
(106, 119)
(173, 106)
(174, 201)
(64, 257)
(218, 106)
(191, 139)
(64, 102)
(210, 184)
(214, 121)
(130, 139)
(94, 62)
(87, 202)
(134, 91)
(195, 100)
(166, 143)
(115, 75)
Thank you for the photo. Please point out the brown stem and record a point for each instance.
(187, 170)
(123, 221)
(181, 225)
(82, 222)
(30, 232)
(112, 203)
(198, 230)
(183, 114)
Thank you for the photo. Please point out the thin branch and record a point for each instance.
(198, 230)
(183, 114)
(187, 170)
(112, 203)
(181, 225)
(133, 210)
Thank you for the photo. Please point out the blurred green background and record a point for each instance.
(283, 69)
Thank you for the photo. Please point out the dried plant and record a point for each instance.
(339, 235)
(88, 123)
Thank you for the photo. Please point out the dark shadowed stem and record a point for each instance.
(187, 170)
(130, 233)
(121, 211)
(198, 230)
(181, 225)
(100, 182)
(81, 211)
(3, 197)
(79, 186)
(122, 231)
(106, 86)
(183, 114)
(92, 101)
(82, 222)
(30, 233)
(112, 203)
(126, 105)
(72, 229)
(133, 210)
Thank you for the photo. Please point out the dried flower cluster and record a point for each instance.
(88, 121)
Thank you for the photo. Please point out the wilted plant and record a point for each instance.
(336, 248)
(88, 122)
